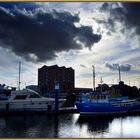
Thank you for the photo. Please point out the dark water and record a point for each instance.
(69, 126)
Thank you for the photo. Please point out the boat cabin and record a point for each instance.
(24, 94)
(94, 97)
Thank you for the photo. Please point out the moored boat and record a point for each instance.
(28, 101)
(103, 104)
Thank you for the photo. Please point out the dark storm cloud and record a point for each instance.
(39, 36)
(11, 5)
(125, 13)
(114, 67)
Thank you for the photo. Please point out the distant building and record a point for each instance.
(48, 75)
(5, 91)
(103, 87)
(82, 90)
(116, 90)
(32, 87)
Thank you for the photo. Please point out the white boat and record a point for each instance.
(28, 100)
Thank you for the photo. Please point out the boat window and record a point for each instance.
(34, 96)
(20, 97)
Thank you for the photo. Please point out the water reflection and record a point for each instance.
(69, 126)
(111, 127)
(30, 126)
(95, 126)
(125, 127)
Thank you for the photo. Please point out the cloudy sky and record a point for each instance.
(71, 34)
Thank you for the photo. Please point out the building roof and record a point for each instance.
(62, 67)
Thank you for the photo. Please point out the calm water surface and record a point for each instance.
(69, 126)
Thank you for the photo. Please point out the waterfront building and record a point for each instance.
(102, 87)
(78, 90)
(5, 91)
(48, 75)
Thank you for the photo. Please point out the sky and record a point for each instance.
(71, 34)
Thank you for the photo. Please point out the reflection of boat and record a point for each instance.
(94, 124)
(28, 100)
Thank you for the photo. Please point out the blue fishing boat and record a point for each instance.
(103, 103)
(98, 104)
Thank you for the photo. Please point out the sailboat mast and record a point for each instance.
(101, 84)
(93, 77)
(19, 76)
(119, 74)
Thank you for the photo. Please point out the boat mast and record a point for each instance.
(119, 75)
(93, 77)
(101, 84)
(19, 77)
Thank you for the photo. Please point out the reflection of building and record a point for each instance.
(48, 75)
(32, 87)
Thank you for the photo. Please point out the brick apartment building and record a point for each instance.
(48, 75)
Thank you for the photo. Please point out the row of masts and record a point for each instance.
(101, 77)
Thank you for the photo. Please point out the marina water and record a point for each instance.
(69, 126)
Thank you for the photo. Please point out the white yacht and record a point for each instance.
(29, 100)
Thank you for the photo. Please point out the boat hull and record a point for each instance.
(27, 106)
(106, 108)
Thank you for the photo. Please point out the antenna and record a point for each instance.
(93, 77)
(19, 77)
